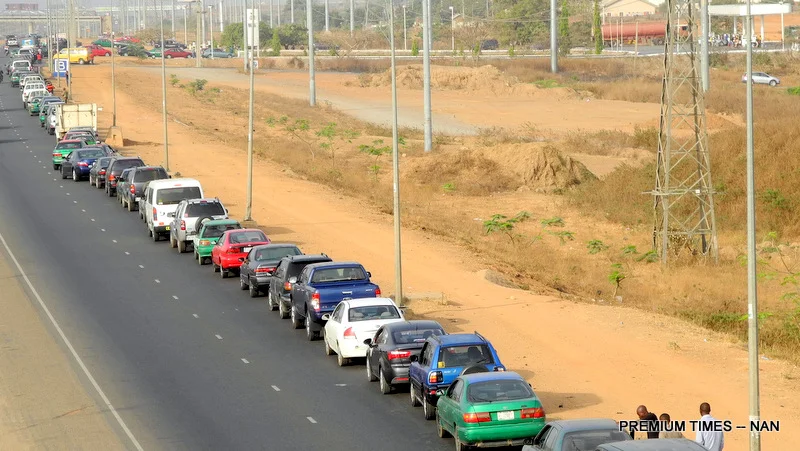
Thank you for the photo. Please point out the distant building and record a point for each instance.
(22, 6)
(617, 8)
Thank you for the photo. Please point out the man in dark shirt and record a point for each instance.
(646, 416)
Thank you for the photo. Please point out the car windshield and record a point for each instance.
(204, 209)
(338, 274)
(250, 236)
(121, 165)
(410, 336)
(60, 146)
(275, 253)
(216, 231)
(170, 196)
(92, 153)
(499, 390)
(590, 440)
(148, 175)
(103, 162)
(372, 313)
(454, 356)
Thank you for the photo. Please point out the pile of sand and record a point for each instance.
(541, 167)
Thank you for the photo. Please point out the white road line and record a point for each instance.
(311, 420)
(275, 387)
(71, 348)
(155, 280)
(174, 297)
(102, 230)
(67, 194)
(48, 172)
(195, 315)
(45, 167)
(141, 267)
(74, 201)
(113, 241)
(245, 361)
(92, 219)
(83, 210)
(60, 186)
(127, 253)
(219, 337)
(55, 180)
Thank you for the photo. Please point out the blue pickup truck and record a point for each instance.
(321, 287)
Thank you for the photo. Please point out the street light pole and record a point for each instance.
(185, 33)
(453, 29)
(164, 91)
(312, 95)
(553, 38)
(198, 53)
(113, 76)
(352, 18)
(426, 75)
(398, 262)
(248, 45)
(405, 39)
(210, 30)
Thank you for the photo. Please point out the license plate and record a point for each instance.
(166, 228)
(246, 249)
(507, 415)
(347, 299)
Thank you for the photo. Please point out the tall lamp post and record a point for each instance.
(453, 28)
(210, 31)
(398, 262)
(164, 90)
(249, 50)
(405, 40)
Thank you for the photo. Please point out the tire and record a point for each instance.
(64, 176)
(270, 303)
(130, 206)
(341, 361)
(214, 266)
(201, 260)
(428, 410)
(296, 323)
(81, 62)
(200, 221)
(773, 83)
(328, 350)
(370, 375)
(75, 177)
(223, 272)
(107, 54)
(384, 385)
(414, 400)
(459, 446)
(172, 243)
(472, 369)
(98, 185)
(181, 246)
(242, 286)
(440, 431)
(311, 335)
(282, 313)
(253, 291)
(156, 236)
(169, 57)
(55, 167)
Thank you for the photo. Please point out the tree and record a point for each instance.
(233, 36)
(276, 43)
(292, 35)
(598, 29)
(520, 21)
(564, 43)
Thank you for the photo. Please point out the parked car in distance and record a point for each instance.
(98, 50)
(489, 409)
(190, 216)
(62, 149)
(490, 44)
(321, 287)
(97, 175)
(662, 444)
(390, 350)
(352, 322)
(86, 129)
(115, 168)
(280, 287)
(233, 245)
(161, 198)
(210, 232)
(129, 197)
(44, 110)
(123, 182)
(218, 53)
(762, 78)
(444, 358)
(259, 265)
(580, 434)
(79, 163)
(170, 53)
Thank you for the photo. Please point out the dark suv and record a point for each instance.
(137, 177)
(115, 168)
(279, 286)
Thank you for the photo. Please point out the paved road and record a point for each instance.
(187, 359)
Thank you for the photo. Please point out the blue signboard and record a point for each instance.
(61, 67)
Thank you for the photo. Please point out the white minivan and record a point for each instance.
(161, 199)
(30, 88)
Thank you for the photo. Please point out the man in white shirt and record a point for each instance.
(709, 439)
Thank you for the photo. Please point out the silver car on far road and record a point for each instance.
(762, 78)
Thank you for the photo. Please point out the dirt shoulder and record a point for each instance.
(43, 404)
(583, 360)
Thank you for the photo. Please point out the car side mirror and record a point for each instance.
(414, 358)
(326, 317)
(369, 274)
(292, 280)
(368, 342)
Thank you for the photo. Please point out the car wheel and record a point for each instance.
(55, 167)
(214, 266)
(459, 446)
(773, 83)
(440, 430)
(81, 62)
(156, 236)
(414, 400)
(169, 57)
(328, 350)
(385, 386)
(271, 302)
(98, 185)
(311, 334)
(282, 313)
(341, 361)
(254, 294)
(130, 206)
(223, 272)
(181, 246)
(242, 285)
(370, 375)
(172, 243)
(296, 323)
(75, 177)
(428, 409)
(64, 176)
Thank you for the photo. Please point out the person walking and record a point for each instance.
(706, 436)
(665, 421)
(648, 420)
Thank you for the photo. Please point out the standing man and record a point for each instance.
(648, 420)
(709, 439)
(665, 420)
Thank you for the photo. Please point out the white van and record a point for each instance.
(161, 199)
(29, 88)
(28, 79)
(20, 65)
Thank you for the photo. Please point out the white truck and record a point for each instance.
(75, 115)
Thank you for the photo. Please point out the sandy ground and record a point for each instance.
(43, 404)
(583, 360)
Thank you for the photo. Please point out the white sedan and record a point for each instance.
(354, 321)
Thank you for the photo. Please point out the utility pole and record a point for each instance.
(704, 24)
(352, 18)
(50, 38)
(453, 29)
(405, 39)
(164, 90)
(70, 46)
(113, 78)
(198, 53)
(211, 30)
(683, 196)
(553, 37)
(312, 94)
(185, 33)
(291, 9)
(271, 11)
(398, 261)
(327, 18)
(221, 14)
(426, 74)
(249, 48)
(172, 17)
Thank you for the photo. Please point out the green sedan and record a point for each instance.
(34, 105)
(63, 149)
(489, 409)
(209, 234)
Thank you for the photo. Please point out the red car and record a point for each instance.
(231, 249)
(177, 53)
(127, 39)
(98, 50)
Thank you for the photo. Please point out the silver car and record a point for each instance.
(189, 218)
(762, 78)
(662, 444)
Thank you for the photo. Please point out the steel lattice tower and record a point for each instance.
(683, 194)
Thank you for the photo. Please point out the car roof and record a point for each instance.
(333, 264)
(663, 444)
(244, 230)
(305, 258)
(148, 168)
(168, 183)
(586, 424)
(365, 302)
(491, 376)
(459, 339)
(414, 325)
(204, 200)
(214, 222)
(275, 245)
(126, 158)
(70, 141)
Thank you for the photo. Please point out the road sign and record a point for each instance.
(251, 34)
(61, 67)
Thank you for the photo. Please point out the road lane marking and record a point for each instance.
(174, 297)
(141, 266)
(156, 280)
(55, 180)
(71, 348)
(311, 420)
(245, 361)
(113, 241)
(219, 337)
(195, 315)
(92, 219)
(67, 194)
(275, 387)
(74, 201)
(127, 253)
(84, 211)
(60, 186)
(102, 230)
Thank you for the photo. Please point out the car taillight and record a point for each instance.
(83, 164)
(133, 189)
(155, 213)
(102, 172)
(56, 154)
(205, 243)
(287, 286)
(536, 412)
(112, 177)
(234, 250)
(349, 333)
(183, 224)
(480, 417)
(315, 301)
(377, 292)
(435, 377)
(265, 269)
(399, 355)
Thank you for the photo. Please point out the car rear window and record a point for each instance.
(251, 236)
(146, 175)
(60, 146)
(217, 230)
(170, 196)
(338, 274)
(204, 209)
(410, 336)
(275, 253)
(372, 312)
(121, 165)
(296, 268)
(590, 440)
(103, 162)
(93, 153)
(498, 390)
(453, 356)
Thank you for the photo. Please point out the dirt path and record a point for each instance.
(584, 360)
(43, 404)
